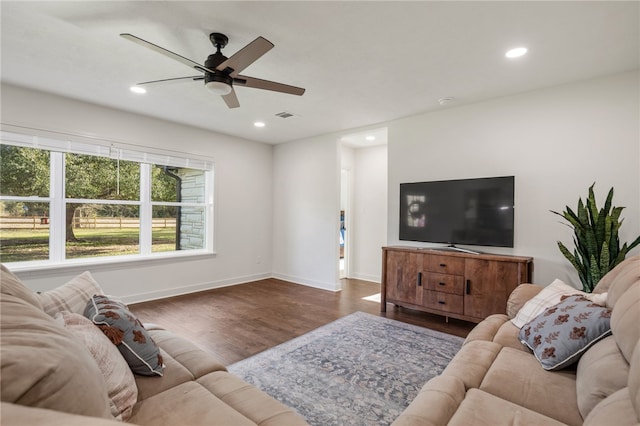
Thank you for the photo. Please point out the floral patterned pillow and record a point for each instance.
(127, 333)
(562, 333)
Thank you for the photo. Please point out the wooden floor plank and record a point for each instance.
(236, 322)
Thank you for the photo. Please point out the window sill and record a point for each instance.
(43, 268)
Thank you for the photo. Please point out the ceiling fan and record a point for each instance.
(222, 73)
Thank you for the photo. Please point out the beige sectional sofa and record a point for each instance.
(48, 376)
(494, 380)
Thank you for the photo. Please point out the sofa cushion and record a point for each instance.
(127, 333)
(472, 362)
(487, 328)
(12, 285)
(190, 356)
(499, 329)
(562, 333)
(628, 266)
(625, 318)
(43, 365)
(634, 381)
(174, 374)
(435, 404)
(121, 386)
(516, 376)
(616, 409)
(71, 296)
(19, 415)
(186, 404)
(482, 409)
(184, 361)
(547, 297)
(627, 275)
(249, 401)
(602, 370)
(507, 336)
(519, 296)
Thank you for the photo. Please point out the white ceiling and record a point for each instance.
(362, 63)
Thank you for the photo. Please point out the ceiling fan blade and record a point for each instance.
(231, 99)
(258, 83)
(172, 80)
(188, 62)
(246, 56)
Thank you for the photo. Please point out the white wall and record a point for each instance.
(369, 224)
(243, 196)
(556, 142)
(306, 190)
(276, 208)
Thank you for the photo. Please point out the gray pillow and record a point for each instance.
(563, 332)
(127, 333)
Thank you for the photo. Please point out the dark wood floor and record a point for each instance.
(236, 322)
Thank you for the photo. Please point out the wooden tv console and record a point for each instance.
(457, 285)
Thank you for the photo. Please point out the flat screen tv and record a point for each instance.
(477, 212)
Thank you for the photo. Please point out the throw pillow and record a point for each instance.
(72, 296)
(121, 385)
(10, 284)
(548, 296)
(127, 333)
(562, 333)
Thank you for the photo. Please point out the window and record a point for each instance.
(66, 200)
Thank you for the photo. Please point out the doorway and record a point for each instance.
(344, 225)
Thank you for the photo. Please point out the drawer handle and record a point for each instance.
(442, 302)
(419, 279)
(442, 283)
(443, 265)
(468, 289)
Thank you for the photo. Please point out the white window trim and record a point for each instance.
(89, 146)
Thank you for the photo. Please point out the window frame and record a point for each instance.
(146, 158)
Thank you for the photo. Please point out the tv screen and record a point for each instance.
(466, 211)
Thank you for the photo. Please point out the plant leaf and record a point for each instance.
(595, 237)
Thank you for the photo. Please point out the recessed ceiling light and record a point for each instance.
(138, 89)
(516, 53)
(370, 138)
(259, 124)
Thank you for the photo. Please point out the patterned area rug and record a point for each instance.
(359, 370)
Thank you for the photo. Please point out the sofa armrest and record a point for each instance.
(521, 295)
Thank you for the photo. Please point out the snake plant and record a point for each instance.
(595, 237)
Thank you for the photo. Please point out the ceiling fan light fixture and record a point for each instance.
(218, 87)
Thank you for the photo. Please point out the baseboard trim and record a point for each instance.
(309, 283)
(179, 291)
(366, 277)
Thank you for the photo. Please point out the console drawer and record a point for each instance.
(444, 264)
(445, 302)
(446, 283)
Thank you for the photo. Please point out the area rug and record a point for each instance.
(359, 370)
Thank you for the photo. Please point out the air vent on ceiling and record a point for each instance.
(284, 114)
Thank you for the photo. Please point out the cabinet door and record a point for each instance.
(402, 277)
(488, 285)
